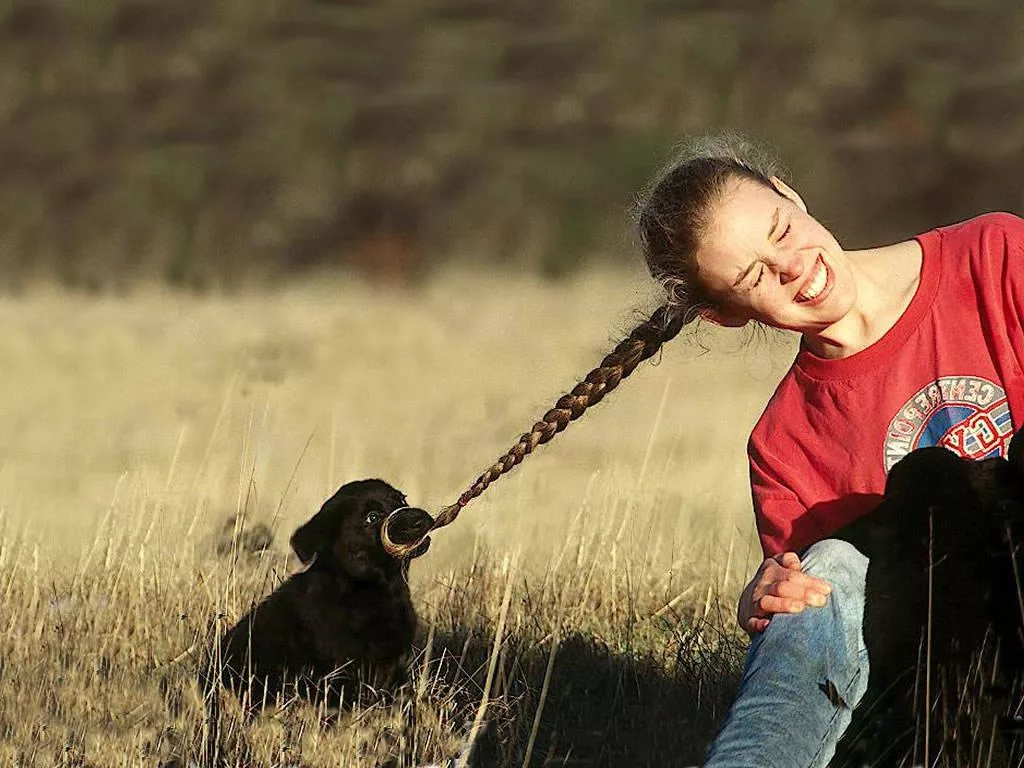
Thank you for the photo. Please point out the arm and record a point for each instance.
(779, 585)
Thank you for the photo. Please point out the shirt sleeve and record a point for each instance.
(775, 505)
(1010, 238)
(1004, 241)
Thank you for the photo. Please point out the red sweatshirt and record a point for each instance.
(949, 373)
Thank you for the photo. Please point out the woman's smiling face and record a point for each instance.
(764, 258)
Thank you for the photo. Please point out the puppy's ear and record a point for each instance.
(319, 533)
(1015, 454)
(926, 473)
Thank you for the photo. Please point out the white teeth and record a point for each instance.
(816, 285)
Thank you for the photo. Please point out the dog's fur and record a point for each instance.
(957, 523)
(347, 619)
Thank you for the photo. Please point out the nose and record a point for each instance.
(404, 532)
(790, 268)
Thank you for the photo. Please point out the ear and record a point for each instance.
(926, 474)
(319, 533)
(1015, 454)
(788, 192)
(723, 318)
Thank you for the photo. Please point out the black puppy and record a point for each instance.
(942, 545)
(347, 619)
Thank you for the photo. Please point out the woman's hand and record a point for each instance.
(779, 586)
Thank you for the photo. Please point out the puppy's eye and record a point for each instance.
(374, 517)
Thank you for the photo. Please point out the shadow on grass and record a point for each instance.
(603, 706)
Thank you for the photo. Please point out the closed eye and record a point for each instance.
(785, 232)
(760, 274)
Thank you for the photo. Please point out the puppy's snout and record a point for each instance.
(407, 525)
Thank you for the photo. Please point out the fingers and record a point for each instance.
(794, 583)
(788, 560)
(768, 605)
(793, 590)
(784, 588)
(788, 567)
(779, 586)
(755, 625)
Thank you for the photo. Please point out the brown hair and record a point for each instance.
(675, 211)
(672, 216)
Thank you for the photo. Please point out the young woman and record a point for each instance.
(907, 345)
(903, 346)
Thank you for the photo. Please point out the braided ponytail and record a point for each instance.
(673, 215)
(643, 342)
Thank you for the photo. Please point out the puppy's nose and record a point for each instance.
(407, 525)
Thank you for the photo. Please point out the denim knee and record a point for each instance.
(838, 562)
(844, 567)
(804, 674)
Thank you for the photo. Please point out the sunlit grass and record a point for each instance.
(135, 427)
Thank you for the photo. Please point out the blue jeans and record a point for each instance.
(804, 674)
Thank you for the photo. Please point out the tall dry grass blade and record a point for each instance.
(630, 505)
(641, 476)
(175, 457)
(225, 404)
(1016, 573)
(673, 602)
(101, 529)
(244, 486)
(928, 642)
(707, 603)
(545, 687)
(574, 527)
(974, 672)
(332, 449)
(916, 700)
(492, 665)
(291, 478)
(727, 570)
(991, 745)
(428, 651)
(601, 539)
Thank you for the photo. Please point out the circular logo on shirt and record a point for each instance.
(966, 414)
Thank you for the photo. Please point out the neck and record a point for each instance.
(886, 280)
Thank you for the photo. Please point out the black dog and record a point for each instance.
(942, 544)
(345, 621)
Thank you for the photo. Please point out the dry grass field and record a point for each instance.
(583, 605)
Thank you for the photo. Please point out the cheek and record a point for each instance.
(768, 303)
(356, 540)
(373, 546)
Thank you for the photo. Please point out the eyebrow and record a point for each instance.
(755, 262)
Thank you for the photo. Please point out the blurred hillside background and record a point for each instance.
(215, 143)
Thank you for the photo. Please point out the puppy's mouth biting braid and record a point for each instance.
(643, 342)
(405, 533)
